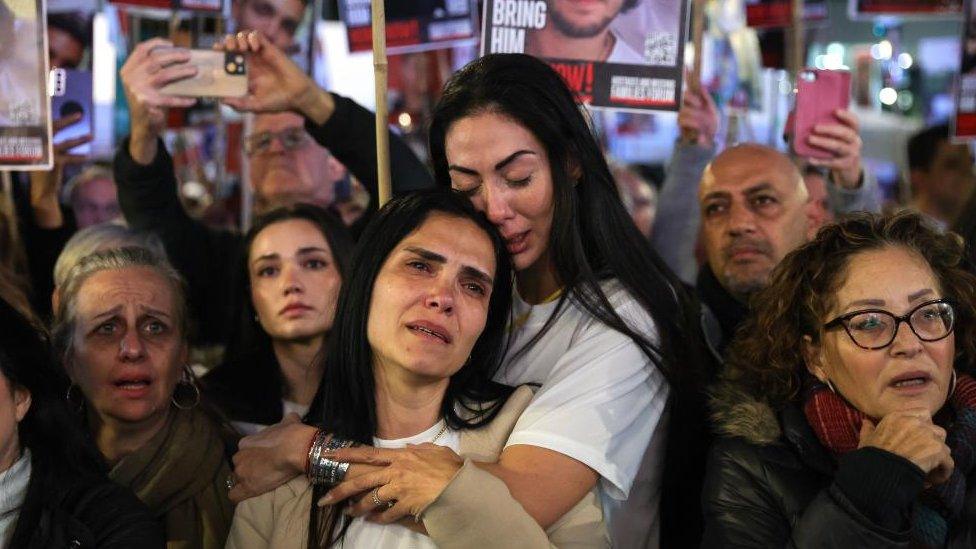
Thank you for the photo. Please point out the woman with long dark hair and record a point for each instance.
(295, 258)
(418, 336)
(54, 491)
(598, 318)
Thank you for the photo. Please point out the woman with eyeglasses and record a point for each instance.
(847, 410)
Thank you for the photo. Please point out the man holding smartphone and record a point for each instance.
(848, 187)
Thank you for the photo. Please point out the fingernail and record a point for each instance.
(326, 499)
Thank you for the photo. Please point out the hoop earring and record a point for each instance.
(186, 380)
(952, 386)
(830, 386)
(76, 403)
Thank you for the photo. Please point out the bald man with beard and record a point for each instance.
(755, 209)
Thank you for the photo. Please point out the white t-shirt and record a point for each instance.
(601, 402)
(394, 536)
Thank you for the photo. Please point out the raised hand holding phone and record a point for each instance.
(275, 83)
(825, 133)
(152, 65)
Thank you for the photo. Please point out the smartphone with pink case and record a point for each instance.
(819, 93)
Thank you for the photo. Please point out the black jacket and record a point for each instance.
(722, 314)
(209, 259)
(83, 513)
(771, 483)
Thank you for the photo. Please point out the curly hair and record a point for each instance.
(766, 357)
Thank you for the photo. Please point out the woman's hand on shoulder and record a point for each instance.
(270, 458)
(912, 435)
(408, 481)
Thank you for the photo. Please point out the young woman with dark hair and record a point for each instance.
(54, 491)
(295, 259)
(598, 318)
(419, 334)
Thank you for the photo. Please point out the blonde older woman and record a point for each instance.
(120, 327)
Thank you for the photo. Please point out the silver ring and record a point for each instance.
(231, 481)
(379, 502)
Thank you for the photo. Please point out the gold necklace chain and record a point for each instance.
(439, 433)
(521, 319)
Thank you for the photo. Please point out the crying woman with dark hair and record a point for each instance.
(419, 333)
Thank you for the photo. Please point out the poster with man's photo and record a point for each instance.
(25, 118)
(412, 25)
(910, 9)
(622, 54)
(964, 122)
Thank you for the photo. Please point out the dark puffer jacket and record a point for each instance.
(79, 513)
(771, 483)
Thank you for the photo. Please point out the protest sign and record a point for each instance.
(624, 55)
(25, 117)
(964, 122)
(766, 14)
(412, 25)
(912, 9)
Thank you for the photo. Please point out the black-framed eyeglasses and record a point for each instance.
(876, 328)
(290, 139)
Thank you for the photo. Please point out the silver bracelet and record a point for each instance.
(314, 457)
(325, 471)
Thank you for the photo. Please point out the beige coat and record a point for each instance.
(475, 510)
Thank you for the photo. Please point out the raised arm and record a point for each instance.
(677, 223)
(147, 188)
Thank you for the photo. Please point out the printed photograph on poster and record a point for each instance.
(623, 54)
(911, 9)
(764, 14)
(25, 120)
(412, 25)
(964, 122)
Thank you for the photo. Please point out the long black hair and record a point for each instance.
(345, 404)
(247, 385)
(592, 240)
(592, 237)
(61, 449)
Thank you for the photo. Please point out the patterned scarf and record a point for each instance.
(838, 426)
